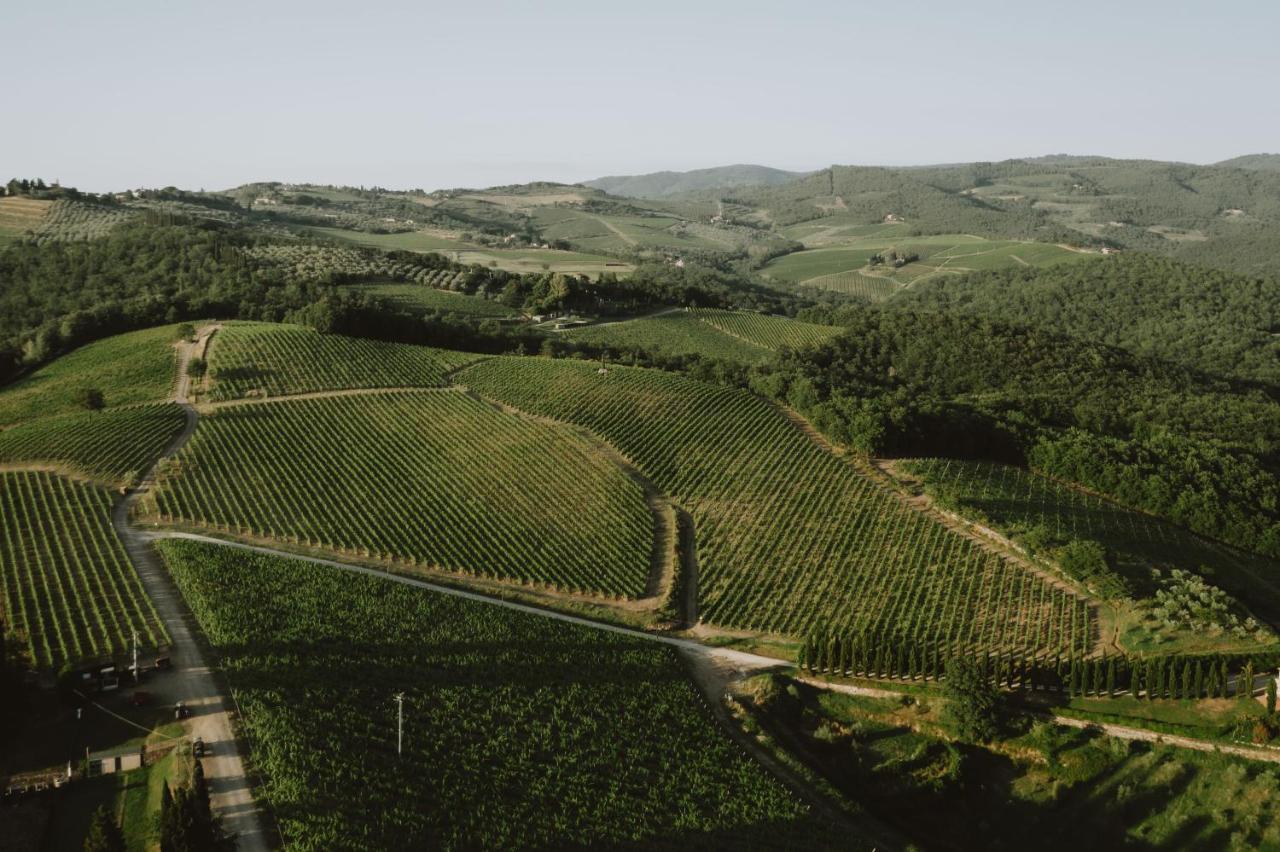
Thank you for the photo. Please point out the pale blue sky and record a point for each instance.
(402, 94)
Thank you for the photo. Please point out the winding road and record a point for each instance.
(193, 681)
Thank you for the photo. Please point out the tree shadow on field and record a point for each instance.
(243, 373)
(473, 664)
(803, 833)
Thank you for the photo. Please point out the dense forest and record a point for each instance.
(1198, 449)
(1206, 319)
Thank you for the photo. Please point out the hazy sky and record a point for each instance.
(405, 94)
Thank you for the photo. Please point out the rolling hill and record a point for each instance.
(657, 185)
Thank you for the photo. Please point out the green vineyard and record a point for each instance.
(519, 731)
(790, 538)
(421, 299)
(727, 335)
(433, 478)
(129, 368)
(265, 359)
(763, 330)
(1018, 502)
(112, 447)
(68, 585)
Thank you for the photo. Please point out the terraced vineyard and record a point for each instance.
(1017, 501)
(129, 368)
(520, 732)
(853, 283)
(790, 538)
(267, 359)
(427, 478)
(112, 447)
(68, 585)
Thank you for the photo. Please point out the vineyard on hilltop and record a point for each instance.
(429, 478)
(791, 538)
(266, 359)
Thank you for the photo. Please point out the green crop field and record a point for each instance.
(763, 330)
(674, 333)
(430, 478)
(129, 368)
(419, 299)
(520, 732)
(1017, 501)
(405, 241)
(68, 585)
(728, 335)
(267, 359)
(791, 538)
(111, 447)
(839, 260)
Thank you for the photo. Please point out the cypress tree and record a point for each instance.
(1271, 696)
(1135, 681)
(900, 661)
(1099, 667)
(1246, 679)
(1111, 676)
(104, 835)
(1197, 684)
(1222, 689)
(1186, 679)
(846, 655)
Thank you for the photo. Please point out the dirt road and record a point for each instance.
(192, 681)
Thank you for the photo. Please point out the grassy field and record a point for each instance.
(791, 538)
(19, 215)
(68, 585)
(1020, 504)
(520, 732)
(839, 259)
(129, 368)
(429, 478)
(415, 298)
(111, 447)
(269, 359)
(727, 335)
(1068, 788)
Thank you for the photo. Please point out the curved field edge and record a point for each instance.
(111, 447)
(255, 360)
(68, 588)
(432, 479)
(519, 732)
(791, 539)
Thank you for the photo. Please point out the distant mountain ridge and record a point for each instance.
(657, 185)
(1257, 162)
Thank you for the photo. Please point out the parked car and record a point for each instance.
(163, 664)
(181, 711)
(197, 748)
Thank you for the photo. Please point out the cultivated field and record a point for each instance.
(419, 299)
(519, 731)
(839, 260)
(111, 447)
(1017, 502)
(268, 359)
(727, 335)
(790, 538)
(427, 478)
(19, 216)
(68, 585)
(129, 368)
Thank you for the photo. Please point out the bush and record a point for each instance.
(92, 399)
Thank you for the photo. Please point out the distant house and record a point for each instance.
(1110, 250)
(111, 762)
(892, 217)
(679, 264)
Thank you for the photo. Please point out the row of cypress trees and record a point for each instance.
(889, 657)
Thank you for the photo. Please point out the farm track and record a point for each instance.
(193, 682)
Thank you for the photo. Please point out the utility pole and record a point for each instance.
(135, 657)
(399, 698)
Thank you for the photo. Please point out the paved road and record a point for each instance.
(193, 681)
